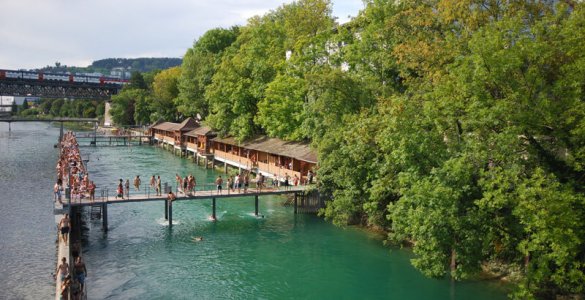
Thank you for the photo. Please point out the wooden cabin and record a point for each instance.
(173, 133)
(270, 156)
(198, 141)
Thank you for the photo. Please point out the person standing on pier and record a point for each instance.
(179, 181)
(127, 187)
(64, 226)
(91, 189)
(57, 191)
(120, 190)
(286, 178)
(137, 183)
(219, 182)
(152, 182)
(158, 186)
(192, 183)
(246, 182)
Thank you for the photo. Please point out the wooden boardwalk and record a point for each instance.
(103, 199)
(138, 196)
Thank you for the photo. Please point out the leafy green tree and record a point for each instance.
(56, 107)
(137, 81)
(123, 107)
(165, 92)
(199, 65)
(143, 109)
(24, 105)
(281, 111)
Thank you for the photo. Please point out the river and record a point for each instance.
(279, 256)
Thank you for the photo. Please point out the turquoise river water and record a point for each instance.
(280, 256)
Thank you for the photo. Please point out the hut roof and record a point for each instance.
(166, 126)
(300, 151)
(187, 125)
(203, 130)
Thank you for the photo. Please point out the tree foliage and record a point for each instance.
(456, 126)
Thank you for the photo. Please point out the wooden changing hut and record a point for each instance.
(270, 156)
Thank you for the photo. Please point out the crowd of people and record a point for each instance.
(71, 172)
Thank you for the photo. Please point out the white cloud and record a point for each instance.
(75, 32)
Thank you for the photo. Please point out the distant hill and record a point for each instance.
(137, 64)
(106, 66)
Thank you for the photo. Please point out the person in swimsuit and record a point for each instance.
(80, 271)
(62, 269)
(64, 226)
(137, 182)
(219, 182)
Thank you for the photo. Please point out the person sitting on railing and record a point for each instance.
(171, 196)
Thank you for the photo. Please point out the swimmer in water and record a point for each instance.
(197, 239)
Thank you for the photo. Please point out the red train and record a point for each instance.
(41, 76)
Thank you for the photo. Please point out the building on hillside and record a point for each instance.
(270, 156)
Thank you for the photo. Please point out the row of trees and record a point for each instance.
(456, 126)
(79, 108)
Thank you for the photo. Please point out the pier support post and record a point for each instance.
(170, 213)
(256, 205)
(166, 210)
(213, 209)
(10, 128)
(225, 167)
(105, 217)
(295, 203)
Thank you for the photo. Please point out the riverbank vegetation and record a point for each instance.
(455, 126)
(50, 108)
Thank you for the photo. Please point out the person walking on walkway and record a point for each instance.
(64, 227)
(62, 269)
(80, 271)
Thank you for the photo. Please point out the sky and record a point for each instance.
(37, 33)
